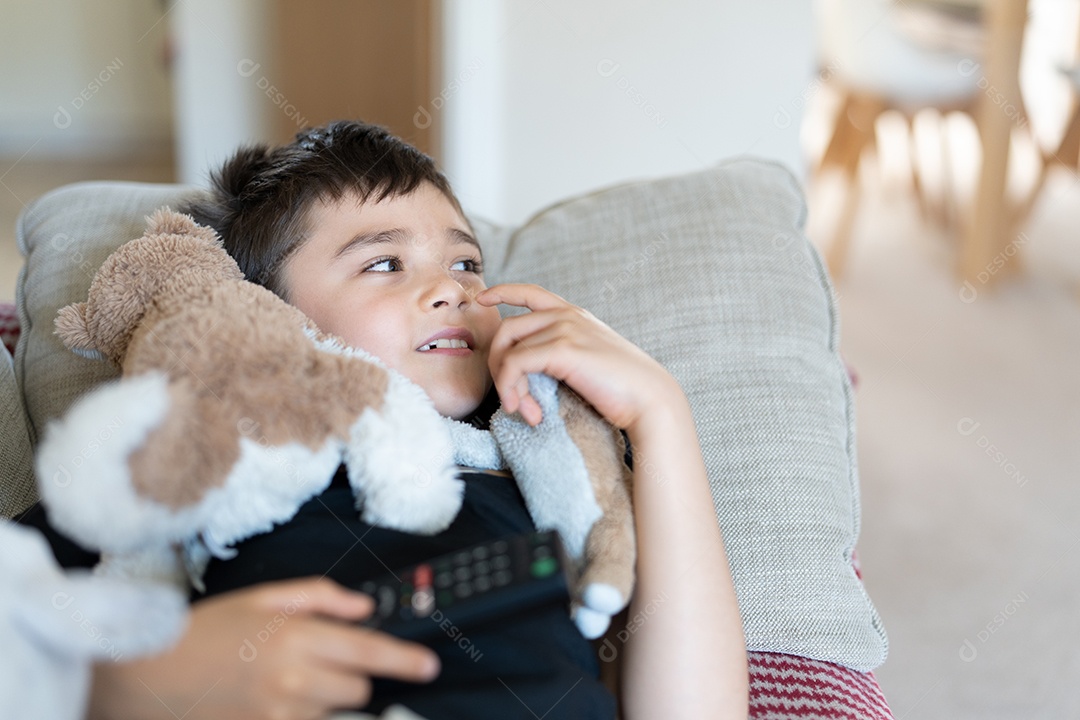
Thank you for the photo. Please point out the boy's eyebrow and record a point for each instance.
(464, 237)
(396, 236)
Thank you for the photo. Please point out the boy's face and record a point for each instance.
(392, 278)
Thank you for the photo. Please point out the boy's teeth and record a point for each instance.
(445, 343)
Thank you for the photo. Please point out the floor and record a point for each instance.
(968, 429)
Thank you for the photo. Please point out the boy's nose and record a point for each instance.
(446, 291)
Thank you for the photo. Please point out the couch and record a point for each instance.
(711, 273)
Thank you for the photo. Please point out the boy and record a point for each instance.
(362, 233)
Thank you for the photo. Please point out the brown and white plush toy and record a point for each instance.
(233, 410)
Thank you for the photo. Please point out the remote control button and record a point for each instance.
(444, 579)
(386, 601)
(480, 553)
(463, 574)
(499, 547)
(446, 598)
(482, 568)
(369, 588)
(462, 590)
(541, 551)
(422, 576)
(544, 567)
(423, 603)
(482, 584)
(502, 577)
(500, 562)
(462, 558)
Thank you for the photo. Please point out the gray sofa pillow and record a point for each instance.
(710, 273)
(16, 459)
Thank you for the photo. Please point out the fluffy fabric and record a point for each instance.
(54, 626)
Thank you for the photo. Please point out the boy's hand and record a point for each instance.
(279, 650)
(562, 340)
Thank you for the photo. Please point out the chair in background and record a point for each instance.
(907, 57)
(1067, 152)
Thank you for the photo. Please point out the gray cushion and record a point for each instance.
(16, 472)
(710, 273)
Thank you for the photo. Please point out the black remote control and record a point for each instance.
(471, 587)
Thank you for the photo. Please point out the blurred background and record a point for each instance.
(937, 142)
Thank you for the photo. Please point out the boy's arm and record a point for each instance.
(684, 635)
(686, 654)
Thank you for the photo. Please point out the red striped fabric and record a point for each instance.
(783, 687)
(9, 326)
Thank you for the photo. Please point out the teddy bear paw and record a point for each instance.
(590, 623)
(603, 598)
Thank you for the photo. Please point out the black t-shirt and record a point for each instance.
(531, 666)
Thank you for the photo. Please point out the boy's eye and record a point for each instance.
(468, 265)
(388, 264)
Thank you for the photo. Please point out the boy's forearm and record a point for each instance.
(685, 652)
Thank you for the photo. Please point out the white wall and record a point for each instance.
(83, 78)
(542, 100)
(223, 70)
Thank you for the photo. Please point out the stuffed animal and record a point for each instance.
(54, 625)
(233, 409)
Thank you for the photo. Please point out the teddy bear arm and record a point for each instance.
(611, 546)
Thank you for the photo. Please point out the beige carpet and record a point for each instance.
(969, 450)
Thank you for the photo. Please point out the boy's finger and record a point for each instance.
(524, 295)
(515, 330)
(529, 409)
(379, 654)
(316, 595)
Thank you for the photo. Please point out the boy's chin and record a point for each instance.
(458, 408)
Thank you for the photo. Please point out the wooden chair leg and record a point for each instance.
(836, 254)
(916, 171)
(1068, 152)
(852, 133)
(950, 212)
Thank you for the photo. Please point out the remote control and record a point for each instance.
(471, 587)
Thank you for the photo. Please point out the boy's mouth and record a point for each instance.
(444, 343)
(458, 339)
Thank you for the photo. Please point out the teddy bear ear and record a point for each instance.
(73, 332)
(166, 221)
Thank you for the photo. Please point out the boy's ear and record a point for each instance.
(71, 328)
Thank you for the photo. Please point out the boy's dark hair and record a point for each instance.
(260, 198)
